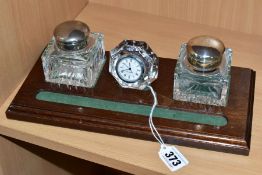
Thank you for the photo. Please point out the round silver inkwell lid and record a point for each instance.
(205, 53)
(71, 35)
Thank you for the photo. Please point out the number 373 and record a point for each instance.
(172, 157)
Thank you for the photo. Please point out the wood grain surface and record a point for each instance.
(15, 159)
(164, 35)
(237, 15)
(21, 158)
(25, 28)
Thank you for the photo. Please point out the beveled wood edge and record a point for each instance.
(250, 107)
(240, 146)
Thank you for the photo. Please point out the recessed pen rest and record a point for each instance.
(129, 108)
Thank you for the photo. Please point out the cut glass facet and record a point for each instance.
(142, 68)
(78, 68)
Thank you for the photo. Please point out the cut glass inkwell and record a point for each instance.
(202, 73)
(74, 56)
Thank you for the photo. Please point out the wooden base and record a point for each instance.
(233, 137)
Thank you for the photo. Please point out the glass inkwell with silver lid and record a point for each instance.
(202, 73)
(74, 56)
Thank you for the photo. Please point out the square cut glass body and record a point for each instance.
(77, 68)
(210, 88)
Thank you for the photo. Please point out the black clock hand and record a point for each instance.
(125, 70)
(130, 67)
(130, 70)
(126, 65)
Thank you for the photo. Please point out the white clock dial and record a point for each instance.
(129, 69)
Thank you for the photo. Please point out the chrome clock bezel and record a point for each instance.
(141, 63)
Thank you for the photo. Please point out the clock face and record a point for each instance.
(129, 69)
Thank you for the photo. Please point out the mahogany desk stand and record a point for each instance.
(110, 109)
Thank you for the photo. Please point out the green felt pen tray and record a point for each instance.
(131, 108)
(110, 109)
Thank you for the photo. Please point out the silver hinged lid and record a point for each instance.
(205, 53)
(71, 35)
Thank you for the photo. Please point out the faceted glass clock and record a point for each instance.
(130, 69)
(133, 64)
(74, 56)
(202, 73)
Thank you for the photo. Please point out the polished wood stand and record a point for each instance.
(234, 137)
